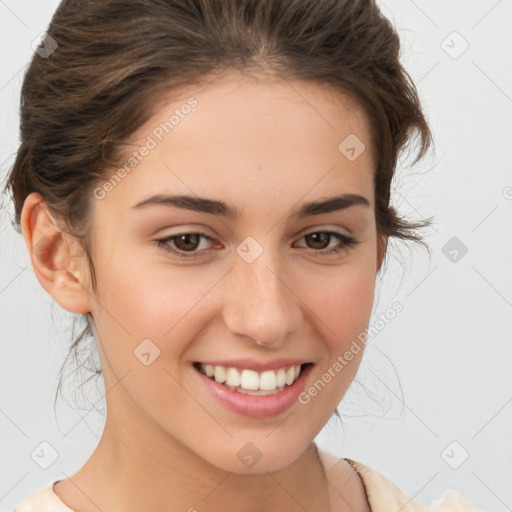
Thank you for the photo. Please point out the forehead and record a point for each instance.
(240, 100)
(240, 136)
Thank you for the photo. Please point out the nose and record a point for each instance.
(261, 302)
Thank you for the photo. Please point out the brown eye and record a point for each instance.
(187, 241)
(319, 242)
(319, 239)
(184, 245)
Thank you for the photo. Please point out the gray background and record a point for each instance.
(448, 353)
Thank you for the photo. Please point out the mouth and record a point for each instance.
(251, 382)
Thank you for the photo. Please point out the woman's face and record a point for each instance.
(258, 291)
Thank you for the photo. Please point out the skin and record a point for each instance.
(265, 146)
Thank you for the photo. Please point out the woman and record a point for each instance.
(208, 182)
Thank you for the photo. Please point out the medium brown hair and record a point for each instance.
(114, 57)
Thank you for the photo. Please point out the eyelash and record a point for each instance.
(347, 241)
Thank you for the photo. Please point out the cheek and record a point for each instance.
(343, 308)
(343, 302)
(145, 298)
(143, 322)
(355, 300)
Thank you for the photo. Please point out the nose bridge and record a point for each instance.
(263, 305)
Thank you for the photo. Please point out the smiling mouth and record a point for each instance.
(251, 382)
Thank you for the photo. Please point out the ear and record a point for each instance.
(382, 245)
(57, 258)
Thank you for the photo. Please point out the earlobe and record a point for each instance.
(50, 249)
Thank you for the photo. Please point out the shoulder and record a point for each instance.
(384, 496)
(43, 500)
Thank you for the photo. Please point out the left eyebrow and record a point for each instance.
(215, 207)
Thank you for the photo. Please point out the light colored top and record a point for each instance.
(382, 495)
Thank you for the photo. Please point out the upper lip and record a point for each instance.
(259, 366)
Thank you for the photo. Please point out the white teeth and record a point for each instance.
(220, 374)
(280, 378)
(252, 382)
(268, 380)
(290, 375)
(233, 377)
(249, 379)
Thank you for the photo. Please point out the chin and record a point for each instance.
(252, 458)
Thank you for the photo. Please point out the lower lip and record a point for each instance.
(257, 406)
